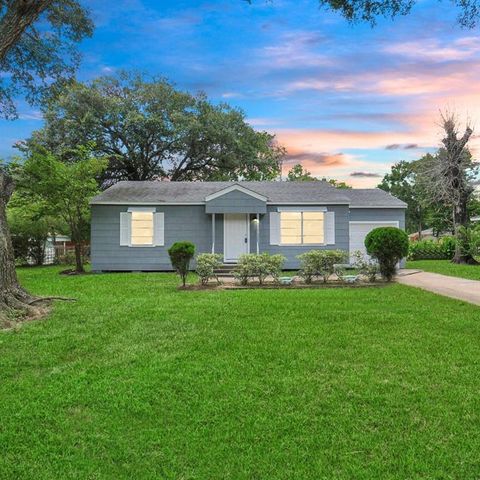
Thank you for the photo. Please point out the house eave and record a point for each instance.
(379, 206)
(126, 202)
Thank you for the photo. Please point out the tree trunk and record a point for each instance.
(13, 298)
(78, 258)
(20, 14)
(8, 276)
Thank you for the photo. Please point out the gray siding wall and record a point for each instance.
(235, 202)
(291, 252)
(378, 214)
(189, 222)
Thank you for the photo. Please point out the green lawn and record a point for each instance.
(138, 380)
(447, 268)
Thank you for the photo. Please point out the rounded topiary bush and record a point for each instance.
(388, 245)
(181, 253)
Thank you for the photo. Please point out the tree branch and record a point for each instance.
(19, 16)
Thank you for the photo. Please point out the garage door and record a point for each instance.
(359, 230)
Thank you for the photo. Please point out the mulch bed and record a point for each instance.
(71, 271)
(298, 286)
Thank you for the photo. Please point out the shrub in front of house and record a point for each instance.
(245, 268)
(320, 263)
(273, 264)
(329, 260)
(428, 249)
(309, 262)
(207, 263)
(388, 245)
(181, 254)
(366, 266)
(259, 266)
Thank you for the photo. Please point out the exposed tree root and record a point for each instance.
(465, 260)
(18, 306)
(46, 299)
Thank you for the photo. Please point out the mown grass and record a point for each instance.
(446, 267)
(138, 380)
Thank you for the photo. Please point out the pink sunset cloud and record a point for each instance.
(435, 51)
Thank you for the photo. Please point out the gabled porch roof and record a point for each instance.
(235, 199)
(235, 188)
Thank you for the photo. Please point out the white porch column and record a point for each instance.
(258, 233)
(213, 233)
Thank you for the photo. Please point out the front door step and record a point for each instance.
(225, 270)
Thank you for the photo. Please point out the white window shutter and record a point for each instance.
(159, 229)
(125, 229)
(330, 228)
(274, 228)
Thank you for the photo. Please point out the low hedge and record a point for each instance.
(260, 266)
(442, 249)
(320, 264)
(207, 263)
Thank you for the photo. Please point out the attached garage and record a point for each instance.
(360, 229)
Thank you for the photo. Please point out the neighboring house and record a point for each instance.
(427, 234)
(134, 223)
(56, 246)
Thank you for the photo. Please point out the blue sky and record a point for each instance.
(346, 101)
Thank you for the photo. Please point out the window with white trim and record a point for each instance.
(302, 228)
(142, 228)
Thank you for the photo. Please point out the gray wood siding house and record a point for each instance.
(134, 223)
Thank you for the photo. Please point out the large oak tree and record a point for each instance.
(150, 130)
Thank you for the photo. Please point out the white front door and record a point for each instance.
(236, 235)
(359, 230)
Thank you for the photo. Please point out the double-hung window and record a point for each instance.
(302, 228)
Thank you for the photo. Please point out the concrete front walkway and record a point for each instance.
(454, 287)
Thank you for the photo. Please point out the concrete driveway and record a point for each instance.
(459, 288)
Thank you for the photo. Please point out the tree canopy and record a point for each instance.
(148, 130)
(337, 183)
(368, 11)
(402, 183)
(299, 174)
(38, 53)
(62, 189)
(30, 228)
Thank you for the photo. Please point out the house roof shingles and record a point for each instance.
(373, 197)
(152, 192)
